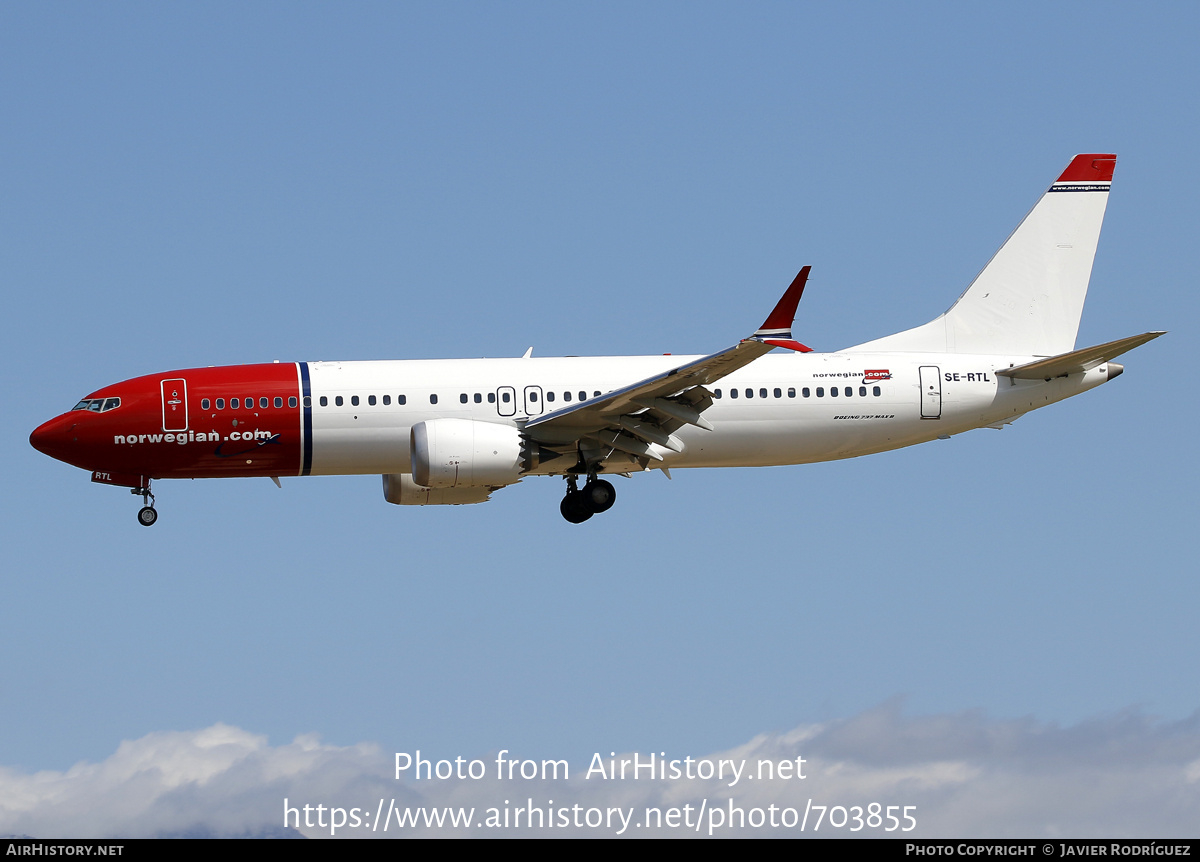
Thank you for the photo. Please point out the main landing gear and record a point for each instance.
(597, 496)
(146, 515)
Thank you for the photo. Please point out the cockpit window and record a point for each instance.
(98, 405)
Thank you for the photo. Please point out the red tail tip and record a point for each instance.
(1089, 167)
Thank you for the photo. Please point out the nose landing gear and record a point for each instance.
(597, 496)
(146, 515)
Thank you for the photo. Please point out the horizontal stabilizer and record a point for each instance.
(1077, 360)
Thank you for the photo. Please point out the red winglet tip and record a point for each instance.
(1089, 167)
(784, 313)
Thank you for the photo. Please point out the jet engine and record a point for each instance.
(399, 488)
(464, 453)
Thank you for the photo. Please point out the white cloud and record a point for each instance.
(966, 775)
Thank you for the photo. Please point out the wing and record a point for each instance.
(635, 419)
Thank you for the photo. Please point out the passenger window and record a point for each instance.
(778, 392)
(478, 398)
(504, 397)
(875, 391)
(220, 403)
(762, 393)
(433, 399)
(862, 390)
(262, 403)
(806, 392)
(716, 393)
(401, 399)
(324, 401)
(733, 393)
(387, 399)
(566, 396)
(491, 398)
(833, 392)
(462, 398)
(204, 403)
(371, 400)
(749, 393)
(596, 394)
(308, 401)
(849, 391)
(583, 396)
(820, 391)
(353, 400)
(278, 402)
(549, 396)
(338, 401)
(291, 401)
(791, 392)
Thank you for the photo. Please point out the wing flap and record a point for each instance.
(684, 414)
(626, 443)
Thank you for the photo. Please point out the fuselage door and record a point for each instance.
(931, 392)
(174, 404)
(506, 401)
(533, 400)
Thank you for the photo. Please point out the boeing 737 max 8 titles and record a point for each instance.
(454, 431)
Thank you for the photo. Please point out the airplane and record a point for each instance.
(451, 432)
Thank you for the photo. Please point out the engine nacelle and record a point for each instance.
(399, 488)
(463, 453)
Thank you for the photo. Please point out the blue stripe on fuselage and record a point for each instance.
(306, 448)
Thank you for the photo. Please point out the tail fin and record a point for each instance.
(1029, 297)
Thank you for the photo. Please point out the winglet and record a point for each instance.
(777, 328)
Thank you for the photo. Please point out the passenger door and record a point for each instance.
(931, 392)
(174, 404)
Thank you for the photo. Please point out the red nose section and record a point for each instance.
(56, 438)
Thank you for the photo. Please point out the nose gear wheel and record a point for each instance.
(146, 515)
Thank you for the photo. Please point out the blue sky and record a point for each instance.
(226, 183)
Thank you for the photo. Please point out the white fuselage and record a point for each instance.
(883, 401)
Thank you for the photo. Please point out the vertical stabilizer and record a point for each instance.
(1029, 297)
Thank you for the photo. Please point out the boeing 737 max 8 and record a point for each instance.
(454, 431)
